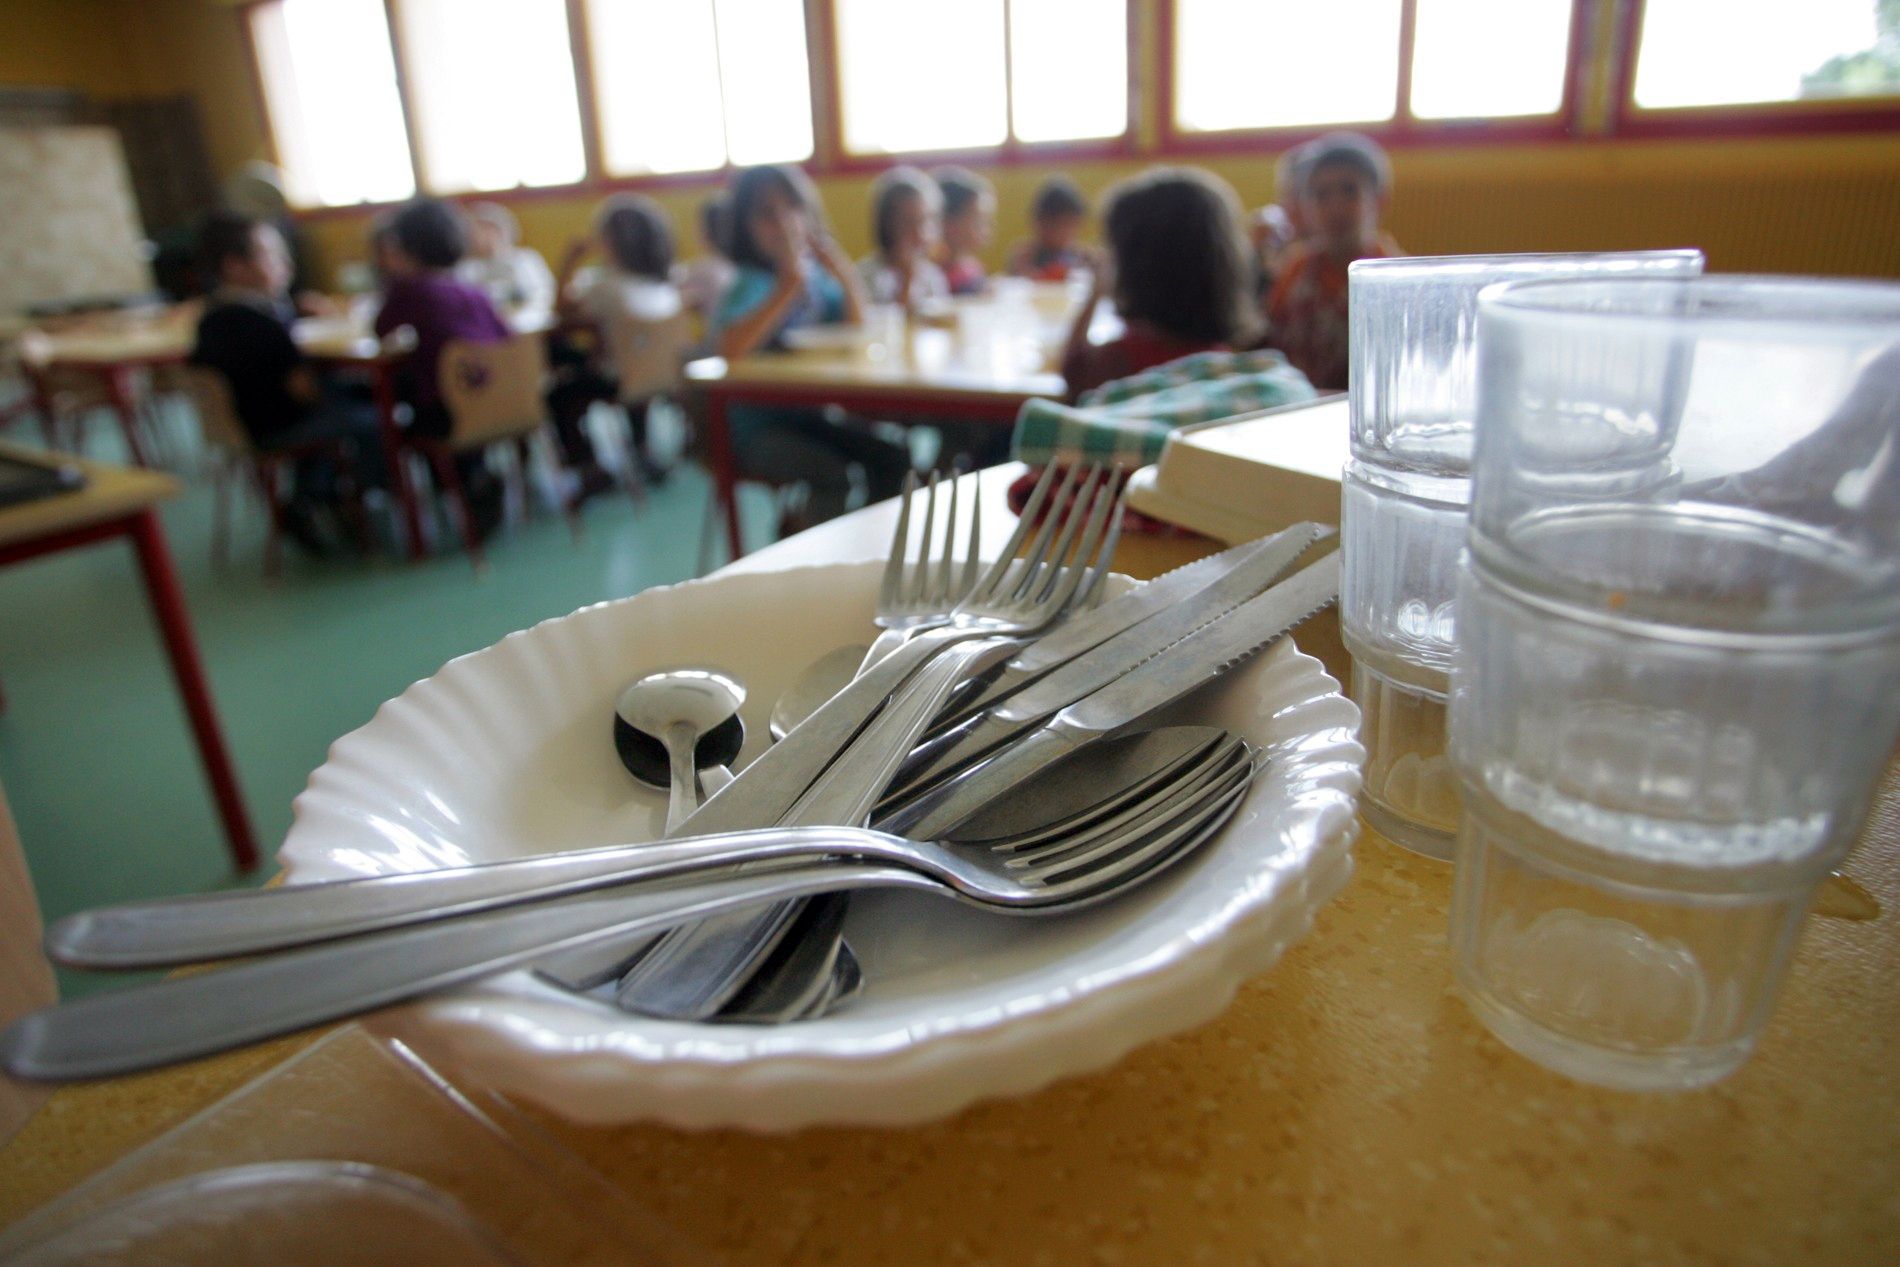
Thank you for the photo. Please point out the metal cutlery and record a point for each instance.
(186, 1017)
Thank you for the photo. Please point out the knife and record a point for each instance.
(1084, 633)
(1261, 564)
(1164, 678)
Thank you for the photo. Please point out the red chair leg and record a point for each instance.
(451, 481)
(264, 471)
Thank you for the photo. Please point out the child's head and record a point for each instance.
(1179, 261)
(1347, 178)
(428, 235)
(969, 210)
(1289, 186)
(243, 253)
(492, 230)
(774, 213)
(1057, 214)
(636, 236)
(905, 209)
(715, 224)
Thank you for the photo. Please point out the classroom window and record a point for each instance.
(1701, 53)
(1246, 65)
(692, 85)
(329, 84)
(1489, 59)
(1028, 70)
(491, 93)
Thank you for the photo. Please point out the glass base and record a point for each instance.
(1410, 793)
(1684, 1070)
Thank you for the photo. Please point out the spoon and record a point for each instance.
(683, 709)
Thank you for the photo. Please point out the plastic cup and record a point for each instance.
(1678, 669)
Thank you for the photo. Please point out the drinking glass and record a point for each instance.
(1678, 670)
(1402, 515)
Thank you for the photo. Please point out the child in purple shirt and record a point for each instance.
(424, 242)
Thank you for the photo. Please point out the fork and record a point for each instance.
(189, 1016)
(913, 595)
(693, 971)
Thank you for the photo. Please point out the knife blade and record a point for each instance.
(1217, 594)
(1083, 633)
(1162, 679)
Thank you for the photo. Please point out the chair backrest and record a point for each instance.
(493, 391)
(210, 396)
(647, 355)
(26, 979)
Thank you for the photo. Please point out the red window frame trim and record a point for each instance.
(837, 160)
(1403, 130)
(1767, 118)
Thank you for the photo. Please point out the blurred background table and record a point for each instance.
(1346, 1109)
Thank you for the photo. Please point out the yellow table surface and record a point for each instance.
(1346, 1109)
(109, 492)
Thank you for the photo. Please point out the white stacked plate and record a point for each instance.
(508, 752)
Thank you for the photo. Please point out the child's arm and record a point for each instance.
(748, 333)
(832, 258)
(566, 304)
(1078, 340)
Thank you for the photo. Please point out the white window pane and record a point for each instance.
(1711, 52)
(1068, 68)
(1236, 64)
(656, 77)
(920, 77)
(1477, 59)
(491, 85)
(330, 82)
(766, 78)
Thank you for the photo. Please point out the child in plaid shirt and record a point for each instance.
(1346, 185)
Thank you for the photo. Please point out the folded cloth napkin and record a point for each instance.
(1127, 422)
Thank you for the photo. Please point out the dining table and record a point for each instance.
(121, 503)
(974, 359)
(115, 348)
(1345, 1108)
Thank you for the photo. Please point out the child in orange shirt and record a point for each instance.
(1056, 218)
(1348, 180)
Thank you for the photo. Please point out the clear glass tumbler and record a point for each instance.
(1678, 671)
(1402, 518)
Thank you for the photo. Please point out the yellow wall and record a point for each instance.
(1795, 204)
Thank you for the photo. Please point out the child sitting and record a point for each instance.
(245, 336)
(635, 284)
(905, 209)
(1056, 218)
(1177, 270)
(791, 273)
(1346, 185)
(969, 217)
(423, 243)
(514, 276)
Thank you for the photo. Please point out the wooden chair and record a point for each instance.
(494, 393)
(646, 357)
(26, 979)
(225, 435)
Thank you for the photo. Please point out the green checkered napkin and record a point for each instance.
(1127, 422)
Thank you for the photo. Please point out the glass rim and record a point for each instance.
(1759, 306)
(1453, 265)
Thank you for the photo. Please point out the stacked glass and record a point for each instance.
(1414, 381)
(1678, 669)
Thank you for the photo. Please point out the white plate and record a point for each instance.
(827, 337)
(508, 751)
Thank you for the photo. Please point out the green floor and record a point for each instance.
(95, 755)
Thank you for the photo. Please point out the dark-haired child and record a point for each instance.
(634, 283)
(1347, 180)
(906, 208)
(1056, 218)
(969, 218)
(1177, 270)
(245, 335)
(791, 273)
(423, 243)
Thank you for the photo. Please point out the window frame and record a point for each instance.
(1759, 118)
(1404, 129)
(1010, 153)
